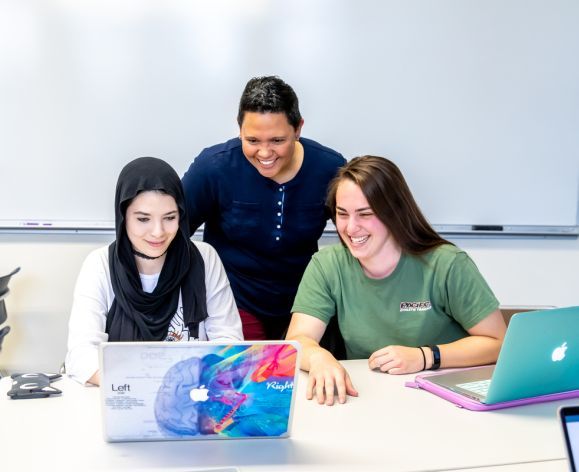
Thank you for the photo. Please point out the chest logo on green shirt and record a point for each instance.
(415, 306)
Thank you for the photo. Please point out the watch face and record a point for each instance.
(435, 357)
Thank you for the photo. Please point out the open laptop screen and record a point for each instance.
(569, 417)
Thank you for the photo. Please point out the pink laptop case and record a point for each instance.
(422, 381)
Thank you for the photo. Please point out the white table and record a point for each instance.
(389, 427)
(542, 466)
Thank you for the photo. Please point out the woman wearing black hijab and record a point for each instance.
(152, 283)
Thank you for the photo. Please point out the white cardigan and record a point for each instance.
(93, 297)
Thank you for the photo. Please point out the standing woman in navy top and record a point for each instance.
(261, 196)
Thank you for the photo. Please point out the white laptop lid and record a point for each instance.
(197, 390)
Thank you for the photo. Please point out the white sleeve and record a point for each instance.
(223, 322)
(92, 299)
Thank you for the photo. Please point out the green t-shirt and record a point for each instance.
(428, 299)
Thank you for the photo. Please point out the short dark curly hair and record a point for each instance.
(270, 94)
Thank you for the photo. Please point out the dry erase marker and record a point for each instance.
(487, 228)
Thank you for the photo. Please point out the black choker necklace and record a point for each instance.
(144, 256)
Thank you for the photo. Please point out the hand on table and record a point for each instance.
(398, 359)
(328, 377)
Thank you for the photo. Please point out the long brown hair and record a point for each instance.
(390, 198)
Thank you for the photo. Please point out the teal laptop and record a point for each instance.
(539, 361)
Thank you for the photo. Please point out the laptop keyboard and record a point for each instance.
(480, 387)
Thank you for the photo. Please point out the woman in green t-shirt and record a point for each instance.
(405, 298)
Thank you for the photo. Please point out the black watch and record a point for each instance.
(435, 357)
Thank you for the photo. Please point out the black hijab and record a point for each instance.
(136, 315)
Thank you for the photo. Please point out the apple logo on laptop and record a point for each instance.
(199, 394)
(559, 352)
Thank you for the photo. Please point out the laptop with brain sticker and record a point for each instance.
(154, 391)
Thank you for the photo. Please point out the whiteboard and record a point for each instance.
(476, 100)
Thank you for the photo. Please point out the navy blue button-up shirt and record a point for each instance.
(264, 232)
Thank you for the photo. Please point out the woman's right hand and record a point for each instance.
(328, 377)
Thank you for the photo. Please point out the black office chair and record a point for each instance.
(3, 293)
